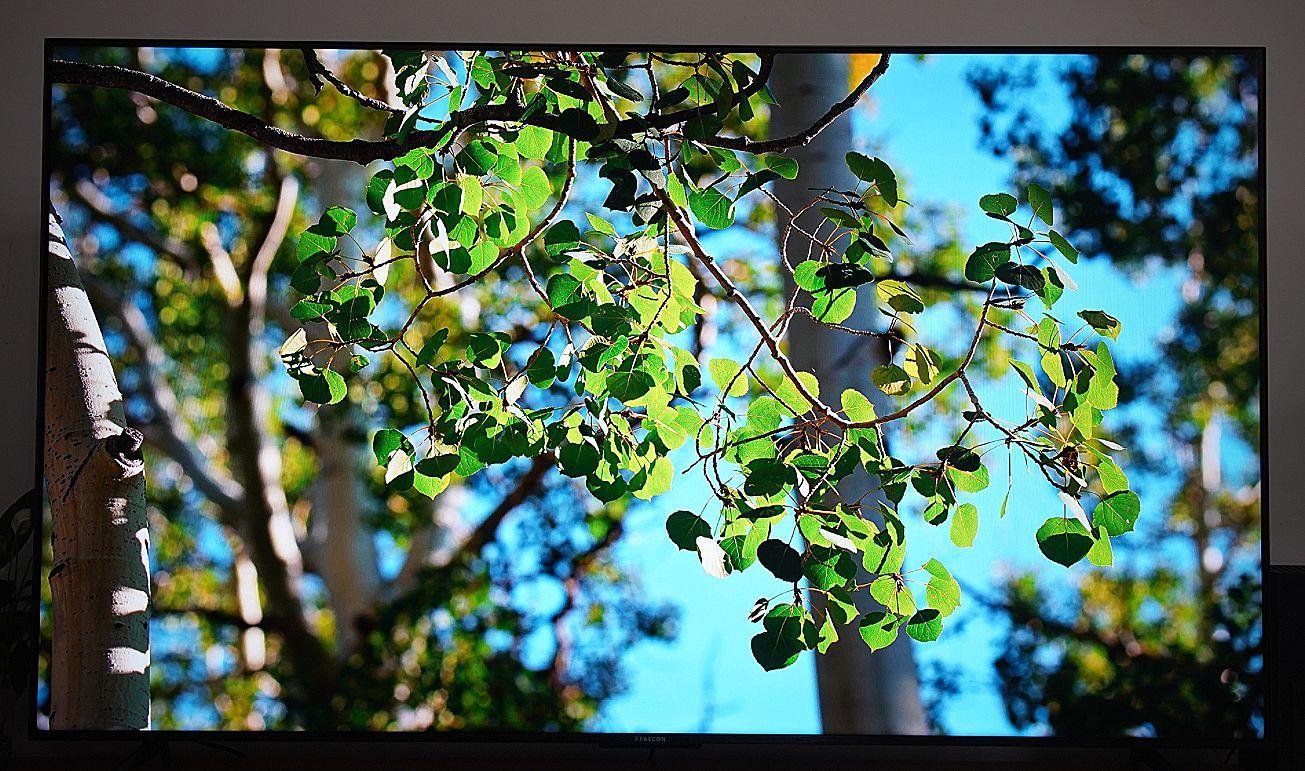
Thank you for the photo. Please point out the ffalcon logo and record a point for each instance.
(650, 739)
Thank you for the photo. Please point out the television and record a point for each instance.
(653, 395)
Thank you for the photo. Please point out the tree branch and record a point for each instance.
(99, 207)
(934, 281)
(166, 432)
(364, 151)
(317, 72)
(357, 150)
(273, 238)
(220, 617)
(802, 138)
(525, 487)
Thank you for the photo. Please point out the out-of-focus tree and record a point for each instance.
(861, 691)
(1157, 169)
(293, 587)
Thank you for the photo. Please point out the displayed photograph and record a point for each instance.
(778, 392)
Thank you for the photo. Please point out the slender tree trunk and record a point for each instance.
(266, 526)
(860, 692)
(344, 552)
(343, 542)
(99, 578)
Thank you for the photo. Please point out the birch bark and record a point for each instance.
(99, 577)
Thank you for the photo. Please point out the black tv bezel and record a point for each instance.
(650, 740)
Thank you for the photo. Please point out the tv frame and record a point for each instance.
(654, 740)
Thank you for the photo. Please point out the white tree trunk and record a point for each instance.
(344, 552)
(860, 692)
(343, 542)
(100, 577)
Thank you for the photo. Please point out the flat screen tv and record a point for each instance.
(652, 395)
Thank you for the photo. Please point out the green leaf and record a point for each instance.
(829, 568)
(828, 635)
(1103, 392)
(1025, 276)
(782, 165)
(561, 237)
(765, 413)
(1117, 512)
(891, 379)
(312, 244)
(535, 187)
(892, 593)
(788, 392)
(712, 208)
(473, 194)
(685, 527)
(624, 90)
(967, 480)
(834, 307)
(326, 387)
(484, 349)
(419, 160)
(307, 310)
(1102, 322)
(877, 172)
(921, 363)
(899, 296)
(431, 348)
(541, 369)
(376, 187)
(439, 465)
(672, 97)
(578, 124)
(468, 462)
(942, 592)
(878, 629)
(776, 651)
(781, 560)
(534, 141)
(478, 158)
(427, 485)
(983, 263)
(1000, 204)
(578, 459)
(723, 373)
(1040, 200)
(627, 386)
(965, 525)
(857, 407)
(565, 295)
(336, 221)
(1113, 479)
(1101, 554)
(767, 476)
(385, 442)
(1064, 541)
(925, 626)
(1049, 344)
(1063, 246)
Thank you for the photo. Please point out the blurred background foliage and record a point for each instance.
(1158, 168)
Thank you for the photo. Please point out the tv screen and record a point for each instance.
(669, 393)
